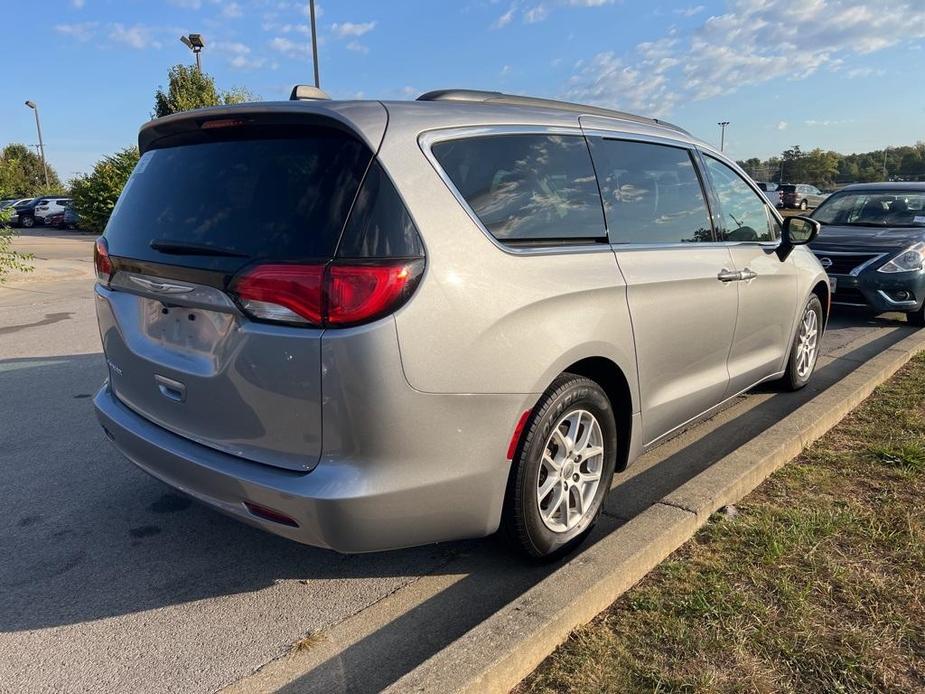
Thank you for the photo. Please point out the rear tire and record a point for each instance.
(27, 222)
(562, 469)
(804, 352)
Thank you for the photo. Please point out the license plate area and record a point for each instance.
(183, 328)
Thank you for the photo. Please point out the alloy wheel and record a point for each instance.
(570, 472)
(807, 343)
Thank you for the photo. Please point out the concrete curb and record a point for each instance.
(498, 653)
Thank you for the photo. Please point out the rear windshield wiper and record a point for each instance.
(185, 248)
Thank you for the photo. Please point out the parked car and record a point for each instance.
(24, 212)
(50, 206)
(770, 191)
(872, 244)
(800, 196)
(71, 219)
(467, 320)
(63, 220)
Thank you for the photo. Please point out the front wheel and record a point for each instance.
(28, 222)
(917, 318)
(805, 349)
(562, 469)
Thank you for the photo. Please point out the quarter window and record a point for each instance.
(743, 214)
(527, 189)
(651, 193)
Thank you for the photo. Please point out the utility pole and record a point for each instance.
(311, 12)
(722, 134)
(34, 106)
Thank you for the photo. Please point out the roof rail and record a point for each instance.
(477, 95)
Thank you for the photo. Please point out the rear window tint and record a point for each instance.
(269, 197)
(527, 189)
(380, 226)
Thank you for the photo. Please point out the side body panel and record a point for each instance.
(683, 320)
(509, 321)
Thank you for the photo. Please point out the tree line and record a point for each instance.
(828, 169)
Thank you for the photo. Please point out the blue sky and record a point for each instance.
(837, 74)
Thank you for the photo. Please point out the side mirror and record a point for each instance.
(797, 231)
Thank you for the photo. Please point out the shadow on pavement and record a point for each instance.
(88, 536)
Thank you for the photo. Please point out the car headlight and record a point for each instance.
(911, 259)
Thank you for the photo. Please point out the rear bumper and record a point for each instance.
(341, 505)
(879, 291)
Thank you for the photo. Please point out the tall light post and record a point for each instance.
(722, 134)
(38, 126)
(195, 43)
(311, 12)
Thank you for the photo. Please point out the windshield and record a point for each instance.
(874, 208)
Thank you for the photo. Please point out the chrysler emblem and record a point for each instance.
(161, 287)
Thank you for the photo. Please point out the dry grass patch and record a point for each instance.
(816, 585)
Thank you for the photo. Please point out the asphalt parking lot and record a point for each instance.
(111, 581)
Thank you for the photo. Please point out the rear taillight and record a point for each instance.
(102, 261)
(337, 294)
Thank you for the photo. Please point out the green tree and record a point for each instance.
(95, 194)
(22, 175)
(10, 259)
(188, 89)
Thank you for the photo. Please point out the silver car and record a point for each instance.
(366, 325)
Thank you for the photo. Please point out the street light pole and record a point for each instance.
(311, 11)
(195, 43)
(38, 126)
(722, 134)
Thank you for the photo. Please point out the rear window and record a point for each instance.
(788, 188)
(282, 197)
(527, 189)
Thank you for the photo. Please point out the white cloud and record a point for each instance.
(782, 125)
(232, 10)
(505, 71)
(347, 29)
(504, 19)
(78, 4)
(590, 3)
(137, 36)
(187, 4)
(828, 123)
(690, 11)
(357, 46)
(290, 48)
(82, 31)
(753, 42)
(536, 14)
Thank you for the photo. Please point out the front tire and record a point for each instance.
(917, 318)
(562, 469)
(804, 353)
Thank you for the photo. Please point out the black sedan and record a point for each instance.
(872, 244)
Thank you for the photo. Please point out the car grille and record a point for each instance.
(844, 264)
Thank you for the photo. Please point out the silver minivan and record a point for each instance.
(366, 325)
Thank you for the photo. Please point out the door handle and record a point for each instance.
(729, 275)
(747, 274)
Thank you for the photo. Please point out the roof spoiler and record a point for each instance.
(306, 92)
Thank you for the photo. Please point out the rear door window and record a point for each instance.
(743, 211)
(272, 193)
(527, 190)
(651, 193)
